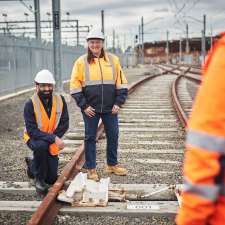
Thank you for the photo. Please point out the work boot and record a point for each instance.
(92, 174)
(117, 170)
(28, 161)
(41, 186)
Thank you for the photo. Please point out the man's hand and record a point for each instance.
(89, 111)
(115, 109)
(59, 143)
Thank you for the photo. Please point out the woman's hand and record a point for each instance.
(89, 111)
(115, 109)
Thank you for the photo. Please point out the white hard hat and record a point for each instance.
(95, 33)
(44, 77)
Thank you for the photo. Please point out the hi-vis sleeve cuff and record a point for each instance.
(75, 90)
(122, 86)
(209, 192)
(205, 141)
(222, 191)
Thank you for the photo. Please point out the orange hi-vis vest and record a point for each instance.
(45, 123)
(203, 197)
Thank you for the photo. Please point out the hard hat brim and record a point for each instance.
(95, 38)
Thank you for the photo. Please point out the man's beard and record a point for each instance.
(45, 94)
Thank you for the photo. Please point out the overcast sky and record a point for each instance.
(125, 15)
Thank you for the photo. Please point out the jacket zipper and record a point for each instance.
(102, 82)
(121, 77)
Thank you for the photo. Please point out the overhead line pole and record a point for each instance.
(37, 19)
(102, 19)
(142, 39)
(203, 38)
(56, 17)
(167, 47)
(187, 40)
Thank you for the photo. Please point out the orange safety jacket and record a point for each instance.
(203, 197)
(45, 123)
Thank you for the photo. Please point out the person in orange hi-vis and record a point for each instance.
(46, 121)
(203, 196)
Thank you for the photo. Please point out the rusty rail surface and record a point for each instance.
(49, 208)
(175, 98)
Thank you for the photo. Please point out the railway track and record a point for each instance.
(150, 147)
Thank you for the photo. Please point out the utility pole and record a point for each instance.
(167, 47)
(211, 37)
(102, 16)
(118, 41)
(106, 42)
(50, 24)
(203, 38)
(142, 39)
(180, 50)
(6, 23)
(139, 43)
(37, 19)
(139, 34)
(124, 42)
(77, 29)
(56, 14)
(187, 40)
(113, 41)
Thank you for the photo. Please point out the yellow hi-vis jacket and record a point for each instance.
(45, 123)
(100, 84)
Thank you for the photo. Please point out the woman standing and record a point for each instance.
(99, 88)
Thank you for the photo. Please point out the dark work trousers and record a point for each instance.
(44, 166)
(110, 122)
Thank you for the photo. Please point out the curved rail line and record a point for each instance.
(49, 208)
(182, 73)
(175, 98)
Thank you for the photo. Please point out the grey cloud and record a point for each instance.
(124, 15)
(161, 10)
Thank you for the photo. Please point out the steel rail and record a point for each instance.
(49, 208)
(175, 98)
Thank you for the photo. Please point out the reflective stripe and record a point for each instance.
(203, 190)
(86, 69)
(109, 82)
(113, 66)
(206, 141)
(121, 86)
(222, 191)
(38, 108)
(97, 82)
(58, 110)
(75, 90)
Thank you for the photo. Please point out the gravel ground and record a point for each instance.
(18, 219)
(192, 89)
(115, 220)
(13, 150)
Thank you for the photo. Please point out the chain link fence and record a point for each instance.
(21, 59)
